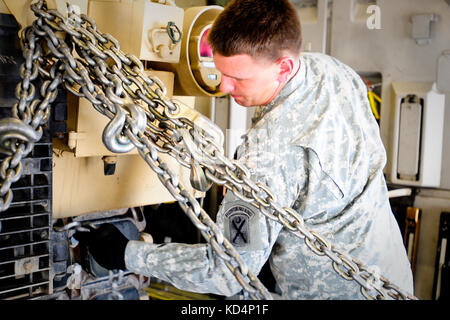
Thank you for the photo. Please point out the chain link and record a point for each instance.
(18, 134)
(110, 79)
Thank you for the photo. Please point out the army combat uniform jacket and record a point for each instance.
(317, 147)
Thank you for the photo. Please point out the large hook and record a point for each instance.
(198, 178)
(113, 137)
(200, 123)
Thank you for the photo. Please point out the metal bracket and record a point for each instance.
(74, 137)
(421, 27)
(199, 121)
(109, 165)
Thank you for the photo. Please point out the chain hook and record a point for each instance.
(198, 178)
(114, 138)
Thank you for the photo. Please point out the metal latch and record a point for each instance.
(73, 137)
(165, 39)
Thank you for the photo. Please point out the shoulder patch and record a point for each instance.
(239, 224)
(238, 221)
(242, 224)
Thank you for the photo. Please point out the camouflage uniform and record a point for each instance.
(317, 146)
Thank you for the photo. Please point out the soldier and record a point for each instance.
(314, 142)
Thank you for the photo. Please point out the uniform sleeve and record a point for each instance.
(197, 268)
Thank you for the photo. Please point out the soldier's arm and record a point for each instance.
(197, 267)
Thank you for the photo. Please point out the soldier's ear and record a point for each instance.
(285, 68)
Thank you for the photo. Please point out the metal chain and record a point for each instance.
(18, 134)
(236, 178)
(109, 79)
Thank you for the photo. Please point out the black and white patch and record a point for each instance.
(239, 230)
(238, 221)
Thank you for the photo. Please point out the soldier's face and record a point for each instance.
(251, 82)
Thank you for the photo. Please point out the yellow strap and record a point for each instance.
(373, 105)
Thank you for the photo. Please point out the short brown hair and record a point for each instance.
(259, 28)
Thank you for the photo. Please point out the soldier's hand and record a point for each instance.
(106, 244)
